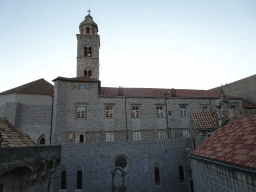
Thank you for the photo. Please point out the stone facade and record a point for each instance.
(95, 125)
(209, 176)
(30, 113)
(97, 160)
(244, 88)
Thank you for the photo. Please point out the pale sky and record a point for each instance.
(182, 44)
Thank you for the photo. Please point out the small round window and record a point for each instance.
(121, 162)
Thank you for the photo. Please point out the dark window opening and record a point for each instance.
(85, 73)
(121, 162)
(42, 141)
(87, 30)
(79, 179)
(81, 138)
(194, 143)
(90, 52)
(85, 51)
(191, 186)
(157, 176)
(63, 179)
(181, 173)
(81, 31)
(89, 73)
(169, 113)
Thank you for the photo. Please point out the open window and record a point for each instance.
(157, 174)
(85, 52)
(63, 182)
(89, 73)
(181, 173)
(87, 30)
(90, 52)
(79, 178)
(42, 140)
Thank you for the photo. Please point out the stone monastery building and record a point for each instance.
(145, 131)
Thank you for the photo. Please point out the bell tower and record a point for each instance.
(88, 45)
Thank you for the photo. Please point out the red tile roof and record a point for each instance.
(210, 120)
(247, 105)
(40, 87)
(77, 79)
(233, 143)
(13, 137)
(153, 92)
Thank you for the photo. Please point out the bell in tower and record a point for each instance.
(88, 45)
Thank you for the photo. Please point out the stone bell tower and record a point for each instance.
(88, 45)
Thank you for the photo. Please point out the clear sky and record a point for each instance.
(182, 44)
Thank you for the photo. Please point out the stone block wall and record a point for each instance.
(97, 160)
(68, 97)
(244, 88)
(212, 177)
(29, 113)
(35, 121)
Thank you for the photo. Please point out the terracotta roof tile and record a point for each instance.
(13, 137)
(40, 87)
(153, 92)
(247, 105)
(235, 149)
(209, 120)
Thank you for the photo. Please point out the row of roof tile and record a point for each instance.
(13, 137)
(209, 120)
(234, 143)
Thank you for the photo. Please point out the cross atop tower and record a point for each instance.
(89, 11)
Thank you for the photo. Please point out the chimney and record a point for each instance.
(173, 92)
(120, 91)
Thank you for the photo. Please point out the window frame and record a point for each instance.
(136, 110)
(108, 110)
(159, 135)
(40, 138)
(83, 86)
(138, 134)
(79, 168)
(159, 110)
(78, 137)
(61, 178)
(108, 136)
(183, 113)
(157, 183)
(186, 134)
(80, 115)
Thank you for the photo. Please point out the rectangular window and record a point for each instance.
(161, 135)
(80, 138)
(183, 111)
(186, 133)
(135, 112)
(80, 112)
(205, 109)
(159, 112)
(169, 113)
(109, 112)
(136, 135)
(82, 87)
(109, 137)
